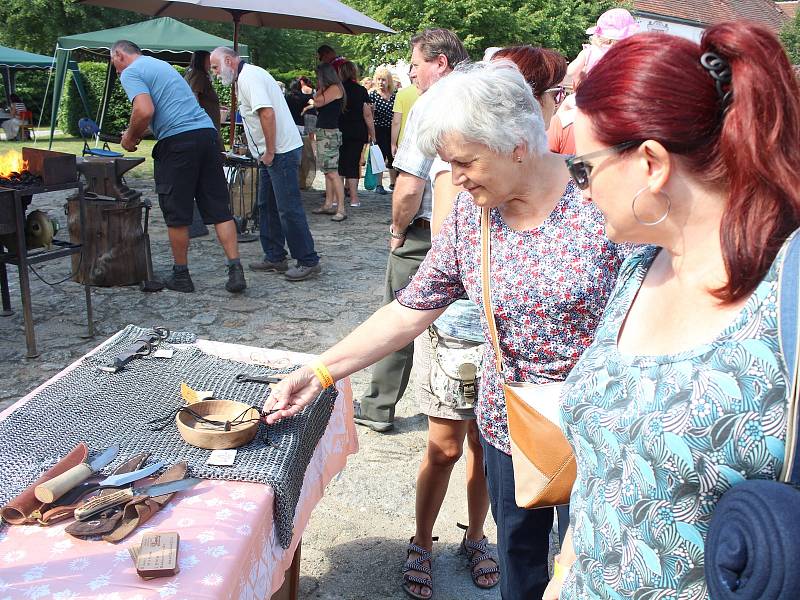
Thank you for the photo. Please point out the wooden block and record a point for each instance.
(158, 555)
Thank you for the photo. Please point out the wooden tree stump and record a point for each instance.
(114, 244)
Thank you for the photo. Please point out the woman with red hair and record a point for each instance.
(692, 150)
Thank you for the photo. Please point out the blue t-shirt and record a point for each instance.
(176, 108)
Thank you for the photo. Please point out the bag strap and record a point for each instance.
(789, 339)
(485, 285)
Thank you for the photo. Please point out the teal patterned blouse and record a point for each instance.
(658, 440)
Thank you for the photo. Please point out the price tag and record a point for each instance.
(222, 458)
(163, 353)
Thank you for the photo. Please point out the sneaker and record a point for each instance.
(236, 282)
(379, 426)
(179, 281)
(270, 267)
(301, 272)
(380, 190)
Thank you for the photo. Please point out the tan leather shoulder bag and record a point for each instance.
(544, 465)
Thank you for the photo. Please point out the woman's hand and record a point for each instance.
(553, 589)
(563, 563)
(291, 395)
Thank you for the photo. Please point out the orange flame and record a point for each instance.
(11, 162)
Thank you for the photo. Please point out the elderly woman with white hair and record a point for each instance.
(552, 270)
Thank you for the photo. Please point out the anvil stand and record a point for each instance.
(22, 259)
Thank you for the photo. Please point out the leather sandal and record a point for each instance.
(417, 564)
(338, 217)
(476, 552)
(324, 211)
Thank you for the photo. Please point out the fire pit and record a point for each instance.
(14, 172)
(23, 175)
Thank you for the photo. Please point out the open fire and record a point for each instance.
(14, 171)
(12, 162)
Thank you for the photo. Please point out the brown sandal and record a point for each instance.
(417, 565)
(476, 552)
(324, 211)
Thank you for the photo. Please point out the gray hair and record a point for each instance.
(125, 46)
(225, 51)
(486, 103)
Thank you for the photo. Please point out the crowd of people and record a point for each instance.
(639, 272)
(625, 255)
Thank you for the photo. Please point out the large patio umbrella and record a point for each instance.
(316, 15)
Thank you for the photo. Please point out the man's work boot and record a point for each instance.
(379, 426)
(179, 281)
(270, 267)
(236, 282)
(301, 272)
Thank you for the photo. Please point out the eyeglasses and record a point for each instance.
(559, 93)
(581, 169)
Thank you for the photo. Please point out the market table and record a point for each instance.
(228, 545)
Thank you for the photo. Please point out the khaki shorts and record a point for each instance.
(328, 142)
(429, 403)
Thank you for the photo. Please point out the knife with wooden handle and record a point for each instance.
(49, 491)
(99, 504)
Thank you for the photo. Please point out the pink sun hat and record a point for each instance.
(615, 24)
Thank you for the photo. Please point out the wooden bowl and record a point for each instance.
(214, 437)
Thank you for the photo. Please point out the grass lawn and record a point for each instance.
(75, 146)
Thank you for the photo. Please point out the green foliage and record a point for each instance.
(790, 36)
(35, 25)
(71, 109)
(557, 24)
(288, 76)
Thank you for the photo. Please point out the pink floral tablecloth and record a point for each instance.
(228, 547)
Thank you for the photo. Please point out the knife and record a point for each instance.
(51, 490)
(114, 481)
(98, 504)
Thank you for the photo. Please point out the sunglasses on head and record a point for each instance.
(581, 169)
(559, 93)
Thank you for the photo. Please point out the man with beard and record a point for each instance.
(187, 160)
(274, 140)
(434, 54)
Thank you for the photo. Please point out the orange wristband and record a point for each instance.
(322, 373)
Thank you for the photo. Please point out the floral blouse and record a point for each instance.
(658, 439)
(549, 287)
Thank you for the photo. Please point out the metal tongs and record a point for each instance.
(140, 348)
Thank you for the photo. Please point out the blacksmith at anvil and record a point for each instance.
(187, 160)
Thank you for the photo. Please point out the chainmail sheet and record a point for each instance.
(101, 409)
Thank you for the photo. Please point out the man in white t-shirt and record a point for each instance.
(274, 140)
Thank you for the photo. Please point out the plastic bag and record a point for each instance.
(370, 181)
(376, 159)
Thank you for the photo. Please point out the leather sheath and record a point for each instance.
(25, 508)
(57, 513)
(119, 524)
(139, 510)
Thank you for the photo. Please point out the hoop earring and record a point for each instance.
(661, 219)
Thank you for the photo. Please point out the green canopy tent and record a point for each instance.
(165, 37)
(12, 60)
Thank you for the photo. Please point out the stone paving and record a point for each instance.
(355, 543)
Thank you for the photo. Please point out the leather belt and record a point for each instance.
(421, 223)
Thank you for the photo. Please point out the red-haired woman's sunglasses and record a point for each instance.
(581, 169)
(559, 93)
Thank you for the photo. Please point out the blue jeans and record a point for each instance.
(523, 536)
(281, 212)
